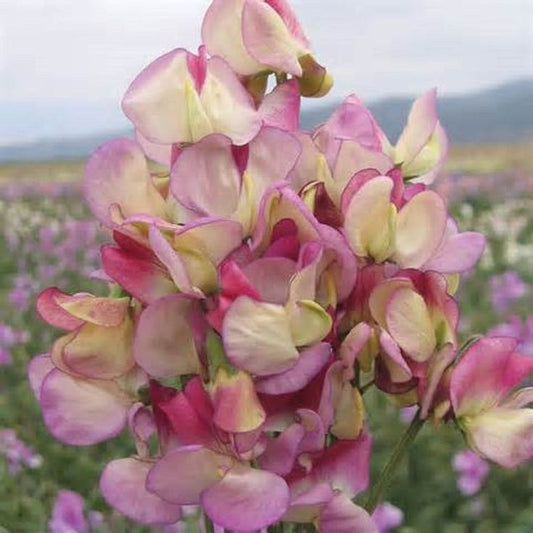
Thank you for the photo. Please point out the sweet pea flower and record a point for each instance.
(522, 331)
(471, 470)
(506, 289)
(98, 344)
(423, 145)
(229, 181)
(387, 517)
(80, 411)
(182, 97)
(213, 472)
(410, 228)
(264, 36)
(352, 137)
(16, 452)
(68, 514)
(325, 483)
(497, 423)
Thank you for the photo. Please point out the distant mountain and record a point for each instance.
(503, 114)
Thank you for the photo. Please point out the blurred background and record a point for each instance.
(63, 69)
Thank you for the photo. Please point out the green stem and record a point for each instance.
(208, 525)
(366, 386)
(392, 464)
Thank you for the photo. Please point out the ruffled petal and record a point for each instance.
(409, 323)
(257, 337)
(82, 412)
(198, 469)
(420, 228)
(117, 174)
(164, 343)
(123, 485)
(246, 499)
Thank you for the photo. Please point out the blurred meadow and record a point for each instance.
(47, 237)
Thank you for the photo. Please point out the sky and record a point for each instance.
(64, 64)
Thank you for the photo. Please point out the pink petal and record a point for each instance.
(257, 337)
(184, 473)
(308, 365)
(171, 259)
(421, 123)
(156, 100)
(164, 343)
(280, 453)
(82, 412)
(140, 277)
(188, 421)
(270, 277)
(50, 310)
(353, 343)
(246, 499)
(457, 253)
(216, 238)
(486, 373)
(341, 515)
(420, 228)
(160, 153)
(123, 485)
(117, 174)
(40, 366)
(502, 435)
(100, 352)
(237, 408)
(397, 368)
(106, 312)
(215, 189)
(68, 514)
(273, 154)
(267, 39)
(345, 465)
(221, 33)
(281, 107)
(409, 323)
(350, 121)
(228, 105)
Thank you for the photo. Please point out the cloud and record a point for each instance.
(54, 51)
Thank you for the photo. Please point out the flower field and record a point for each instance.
(47, 238)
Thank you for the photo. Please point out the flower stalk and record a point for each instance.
(392, 464)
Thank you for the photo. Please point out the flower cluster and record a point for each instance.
(9, 338)
(16, 452)
(68, 515)
(262, 278)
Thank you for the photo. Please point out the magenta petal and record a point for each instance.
(280, 452)
(184, 473)
(346, 465)
(342, 516)
(82, 411)
(308, 365)
(123, 485)
(246, 499)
